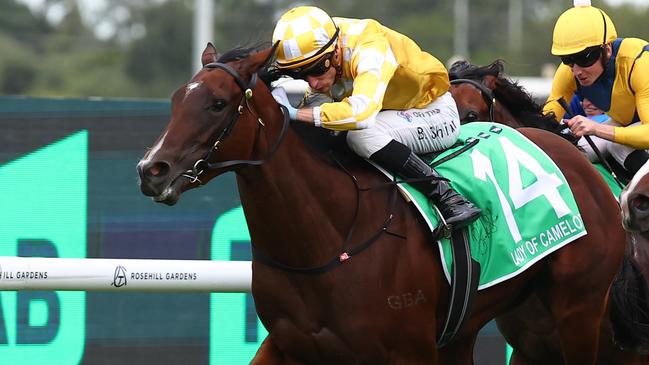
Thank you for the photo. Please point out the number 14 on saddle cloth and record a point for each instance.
(528, 208)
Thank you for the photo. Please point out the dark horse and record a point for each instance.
(343, 274)
(482, 93)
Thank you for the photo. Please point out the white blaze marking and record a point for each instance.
(154, 150)
(644, 170)
(192, 86)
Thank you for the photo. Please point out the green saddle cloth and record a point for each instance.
(528, 208)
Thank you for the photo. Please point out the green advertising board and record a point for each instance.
(235, 330)
(43, 195)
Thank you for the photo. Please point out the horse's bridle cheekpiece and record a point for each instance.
(203, 164)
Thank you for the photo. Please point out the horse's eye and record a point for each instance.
(218, 105)
(471, 116)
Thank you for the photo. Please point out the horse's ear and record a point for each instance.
(209, 54)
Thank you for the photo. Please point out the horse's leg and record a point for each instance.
(269, 354)
(458, 352)
(578, 314)
(533, 337)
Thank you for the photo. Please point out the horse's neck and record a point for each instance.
(504, 116)
(297, 205)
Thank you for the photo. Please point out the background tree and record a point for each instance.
(142, 48)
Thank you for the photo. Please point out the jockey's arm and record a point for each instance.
(564, 86)
(305, 115)
(638, 136)
(372, 68)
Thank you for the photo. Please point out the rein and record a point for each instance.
(487, 94)
(202, 164)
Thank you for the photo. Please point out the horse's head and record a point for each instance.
(634, 201)
(474, 90)
(214, 117)
(484, 93)
(475, 101)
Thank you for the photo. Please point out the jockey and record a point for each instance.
(365, 68)
(611, 72)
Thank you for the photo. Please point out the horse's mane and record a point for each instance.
(267, 73)
(511, 94)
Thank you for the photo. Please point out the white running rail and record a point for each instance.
(34, 273)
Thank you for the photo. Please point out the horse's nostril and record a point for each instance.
(157, 169)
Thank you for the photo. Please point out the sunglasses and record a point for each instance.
(585, 58)
(315, 69)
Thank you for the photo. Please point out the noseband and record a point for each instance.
(202, 164)
(487, 94)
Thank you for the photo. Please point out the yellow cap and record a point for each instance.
(581, 27)
(304, 33)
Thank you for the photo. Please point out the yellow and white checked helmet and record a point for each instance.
(581, 27)
(304, 34)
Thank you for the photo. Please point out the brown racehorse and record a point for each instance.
(482, 93)
(343, 273)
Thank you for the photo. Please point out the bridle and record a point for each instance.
(487, 94)
(202, 164)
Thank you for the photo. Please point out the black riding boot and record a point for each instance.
(457, 211)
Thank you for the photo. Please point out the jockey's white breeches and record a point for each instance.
(608, 148)
(435, 127)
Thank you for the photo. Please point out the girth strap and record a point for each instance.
(464, 286)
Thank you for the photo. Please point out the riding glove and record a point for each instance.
(280, 96)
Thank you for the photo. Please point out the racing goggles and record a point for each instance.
(315, 69)
(585, 58)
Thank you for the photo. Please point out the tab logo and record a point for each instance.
(43, 214)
